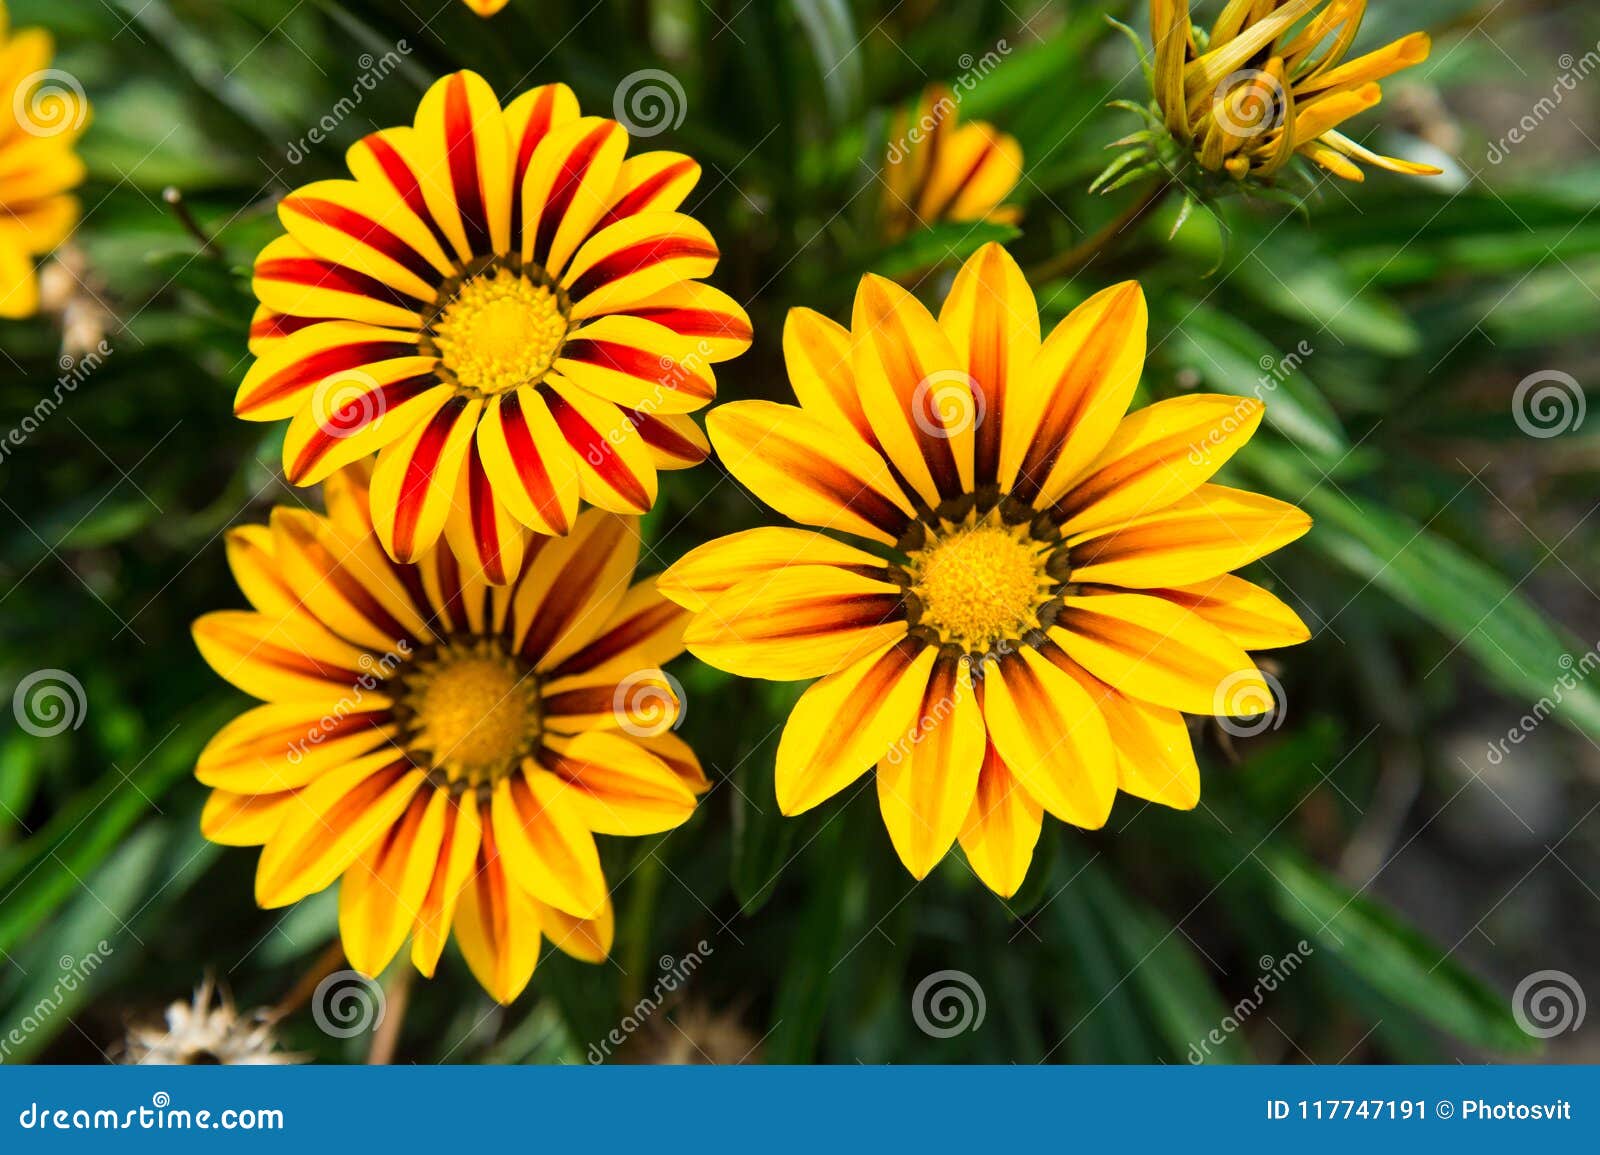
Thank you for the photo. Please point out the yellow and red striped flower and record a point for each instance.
(505, 308)
(42, 113)
(448, 747)
(938, 169)
(1042, 586)
(1269, 82)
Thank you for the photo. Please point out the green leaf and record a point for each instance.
(831, 30)
(1173, 989)
(1392, 957)
(947, 243)
(1233, 358)
(1468, 600)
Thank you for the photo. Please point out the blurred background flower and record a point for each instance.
(1399, 863)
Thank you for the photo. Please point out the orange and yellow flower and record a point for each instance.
(43, 111)
(503, 307)
(938, 169)
(486, 7)
(1043, 587)
(449, 748)
(1269, 82)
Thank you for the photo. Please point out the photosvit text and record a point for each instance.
(1335, 1110)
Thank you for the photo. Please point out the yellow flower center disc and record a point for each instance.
(981, 583)
(500, 330)
(474, 711)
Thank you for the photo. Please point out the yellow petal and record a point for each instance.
(1156, 456)
(1001, 828)
(1051, 736)
(798, 622)
(927, 780)
(1149, 648)
(699, 576)
(1213, 530)
(846, 722)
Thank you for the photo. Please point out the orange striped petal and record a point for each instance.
(708, 570)
(1080, 384)
(843, 724)
(465, 166)
(1213, 530)
(497, 925)
(927, 781)
(992, 321)
(414, 481)
(571, 588)
(546, 844)
(382, 893)
(918, 401)
(627, 262)
(1157, 456)
(615, 471)
(1051, 736)
(568, 187)
(798, 622)
(616, 785)
(801, 467)
(1252, 618)
(1151, 649)
(332, 821)
(1002, 827)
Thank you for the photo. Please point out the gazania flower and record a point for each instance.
(42, 113)
(1269, 82)
(938, 169)
(505, 309)
(486, 7)
(209, 1031)
(448, 747)
(1043, 589)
